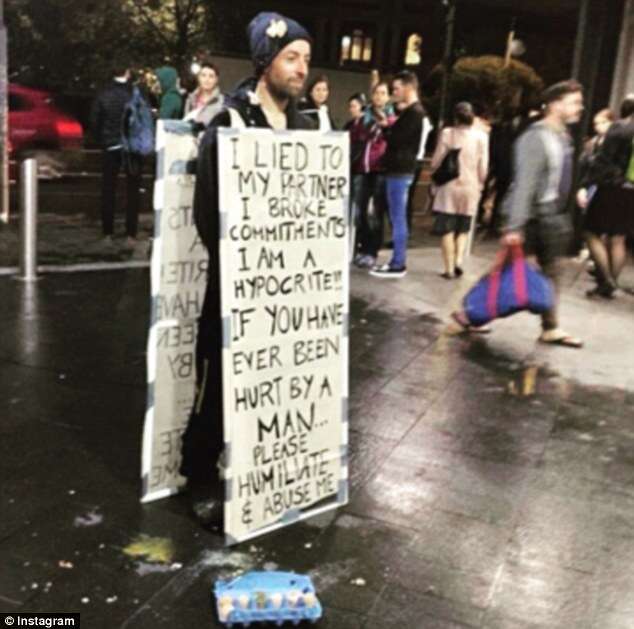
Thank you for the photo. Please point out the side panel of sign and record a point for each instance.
(284, 278)
(179, 268)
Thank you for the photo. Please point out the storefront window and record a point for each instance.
(413, 49)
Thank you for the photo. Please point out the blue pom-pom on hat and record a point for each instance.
(268, 34)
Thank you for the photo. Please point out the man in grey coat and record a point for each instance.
(536, 205)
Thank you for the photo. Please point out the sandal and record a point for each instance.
(467, 327)
(562, 339)
(447, 276)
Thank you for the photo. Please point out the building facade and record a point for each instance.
(561, 38)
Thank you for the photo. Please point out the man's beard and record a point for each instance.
(281, 92)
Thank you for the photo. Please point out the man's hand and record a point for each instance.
(582, 198)
(512, 238)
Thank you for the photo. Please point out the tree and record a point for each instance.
(66, 45)
(173, 29)
(488, 84)
(70, 46)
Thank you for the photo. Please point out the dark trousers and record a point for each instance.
(111, 164)
(548, 238)
(203, 439)
(370, 227)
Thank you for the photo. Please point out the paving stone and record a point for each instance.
(474, 503)
(542, 596)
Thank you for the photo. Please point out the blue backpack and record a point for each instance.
(137, 135)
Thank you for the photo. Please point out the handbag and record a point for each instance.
(512, 285)
(449, 168)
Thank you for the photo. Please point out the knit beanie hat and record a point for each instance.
(268, 34)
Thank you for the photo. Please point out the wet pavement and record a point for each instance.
(492, 479)
(74, 239)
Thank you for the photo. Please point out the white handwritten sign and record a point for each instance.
(179, 271)
(284, 278)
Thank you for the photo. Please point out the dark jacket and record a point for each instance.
(610, 165)
(106, 116)
(403, 141)
(171, 106)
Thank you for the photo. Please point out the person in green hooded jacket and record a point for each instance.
(171, 103)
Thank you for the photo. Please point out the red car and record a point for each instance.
(37, 125)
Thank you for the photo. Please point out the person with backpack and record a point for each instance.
(280, 49)
(117, 134)
(610, 213)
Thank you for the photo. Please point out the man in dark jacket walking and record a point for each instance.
(107, 122)
(280, 49)
(403, 140)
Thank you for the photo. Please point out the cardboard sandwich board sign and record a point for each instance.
(178, 279)
(284, 291)
(284, 251)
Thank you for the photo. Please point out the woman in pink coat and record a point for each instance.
(456, 202)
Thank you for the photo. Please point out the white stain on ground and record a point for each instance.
(143, 568)
(92, 518)
(330, 574)
(350, 522)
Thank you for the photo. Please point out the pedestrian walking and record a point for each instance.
(107, 121)
(368, 182)
(171, 101)
(280, 49)
(610, 211)
(315, 104)
(456, 202)
(403, 140)
(536, 205)
(206, 100)
(601, 123)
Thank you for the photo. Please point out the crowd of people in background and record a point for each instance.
(389, 142)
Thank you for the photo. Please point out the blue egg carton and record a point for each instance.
(275, 597)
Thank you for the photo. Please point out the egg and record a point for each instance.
(310, 599)
(276, 600)
(225, 599)
(294, 598)
(224, 611)
(244, 600)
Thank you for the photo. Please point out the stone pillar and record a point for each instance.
(623, 83)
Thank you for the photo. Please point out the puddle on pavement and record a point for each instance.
(525, 384)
